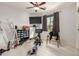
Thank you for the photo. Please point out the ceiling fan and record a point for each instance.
(37, 6)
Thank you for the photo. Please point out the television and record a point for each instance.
(35, 20)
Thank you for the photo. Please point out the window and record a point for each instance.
(49, 23)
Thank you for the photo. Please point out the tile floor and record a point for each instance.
(43, 50)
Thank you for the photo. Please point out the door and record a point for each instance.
(77, 32)
(77, 28)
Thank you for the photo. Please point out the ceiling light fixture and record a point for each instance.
(36, 8)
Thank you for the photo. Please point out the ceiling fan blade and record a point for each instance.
(28, 7)
(33, 3)
(36, 3)
(42, 3)
(42, 8)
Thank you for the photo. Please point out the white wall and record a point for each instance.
(17, 16)
(67, 24)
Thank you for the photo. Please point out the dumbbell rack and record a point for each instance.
(23, 35)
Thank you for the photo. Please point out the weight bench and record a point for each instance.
(57, 38)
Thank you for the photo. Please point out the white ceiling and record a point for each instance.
(22, 6)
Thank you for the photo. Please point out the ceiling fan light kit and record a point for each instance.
(36, 8)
